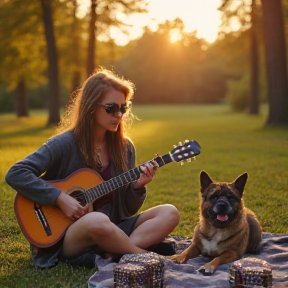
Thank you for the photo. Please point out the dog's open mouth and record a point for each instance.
(222, 218)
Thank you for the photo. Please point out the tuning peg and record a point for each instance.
(175, 148)
(189, 160)
(180, 144)
(181, 163)
(186, 141)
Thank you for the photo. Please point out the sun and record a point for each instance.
(202, 16)
(175, 35)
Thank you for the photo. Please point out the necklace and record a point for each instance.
(98, 153)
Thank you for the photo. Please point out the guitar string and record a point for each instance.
(107, 186)
(111, 184)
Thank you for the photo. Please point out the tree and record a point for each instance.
(254, 64)
(91, 41)
(275, 51)
(103, 18)
(21, 101)
(241, 11)
(70, 27)
(54, 97)
(75, 33)
(20, 54)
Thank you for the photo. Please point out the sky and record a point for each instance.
(200, 15)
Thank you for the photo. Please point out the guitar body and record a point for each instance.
(55, 219)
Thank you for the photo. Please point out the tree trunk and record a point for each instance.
(76, 75)
(276, 63)
(21, 100)
(92, 39)
(254, 78)
(54, 97)
(76, 78)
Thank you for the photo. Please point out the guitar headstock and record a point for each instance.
(185, 151)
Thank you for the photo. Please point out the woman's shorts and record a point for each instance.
(128, 224)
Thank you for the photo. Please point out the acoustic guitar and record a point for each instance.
(45, 225)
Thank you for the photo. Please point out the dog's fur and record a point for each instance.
(226, 229)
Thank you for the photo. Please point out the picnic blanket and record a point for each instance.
(273, 249)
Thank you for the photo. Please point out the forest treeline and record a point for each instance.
(47, 49)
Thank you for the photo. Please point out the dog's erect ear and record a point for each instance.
(205, 180)
(240, 183)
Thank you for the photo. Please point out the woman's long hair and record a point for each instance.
(80, 117)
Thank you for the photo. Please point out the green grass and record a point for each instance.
(231, 144)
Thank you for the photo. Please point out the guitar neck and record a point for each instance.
(121, 180)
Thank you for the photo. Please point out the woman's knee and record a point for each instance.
(174, 213)
(170, 214)
(99, 224)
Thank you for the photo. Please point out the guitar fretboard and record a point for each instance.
(121, 180)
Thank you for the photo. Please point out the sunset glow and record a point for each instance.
(175, 35)
(198, 15)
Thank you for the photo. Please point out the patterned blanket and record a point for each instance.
(273, 249)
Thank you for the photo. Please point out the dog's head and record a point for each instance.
(221, 201)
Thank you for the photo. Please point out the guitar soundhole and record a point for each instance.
(79, 196)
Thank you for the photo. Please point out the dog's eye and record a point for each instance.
(214, 197)
(232, 199)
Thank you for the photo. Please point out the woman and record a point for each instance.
(92, 135)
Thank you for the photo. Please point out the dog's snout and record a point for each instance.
(222, 201)
(222, 206)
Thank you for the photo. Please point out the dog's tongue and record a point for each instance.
(222, 217)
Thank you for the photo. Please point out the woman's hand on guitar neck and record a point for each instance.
(148, 171)
(70, 206)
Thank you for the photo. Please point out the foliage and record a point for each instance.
(232, 143)
(108, 12)
(238, 94)
(235, 12)
(166, 72)
(23, 49)
(20, 53)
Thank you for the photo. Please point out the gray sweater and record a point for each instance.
(57, 159)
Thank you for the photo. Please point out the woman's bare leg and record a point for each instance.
(154, 224)
(95, 229)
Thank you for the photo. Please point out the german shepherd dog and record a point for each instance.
(226, 229)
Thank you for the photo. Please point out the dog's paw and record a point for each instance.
(206, 270)
(179, 258)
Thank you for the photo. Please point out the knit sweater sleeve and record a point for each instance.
(24, 177)
(52, 161)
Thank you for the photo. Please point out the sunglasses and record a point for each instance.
(113, 108)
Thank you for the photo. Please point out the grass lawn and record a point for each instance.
(231, 144)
